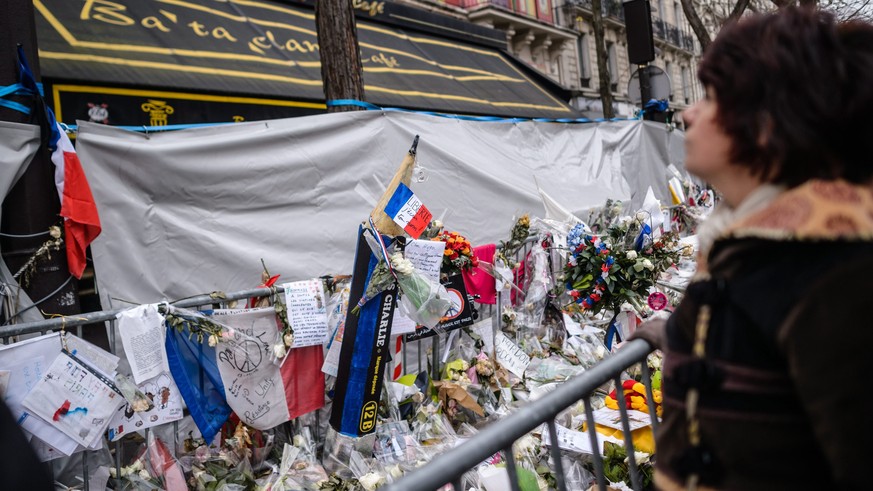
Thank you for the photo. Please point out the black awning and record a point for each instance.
(269, 49)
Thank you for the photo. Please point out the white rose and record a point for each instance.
(279, 350)
(640, 457)
(144, 475)
(631, 254)
(437, 224)
(288, 339)
(642, 216)
(370, 481)
(648, 264)
(213, 340)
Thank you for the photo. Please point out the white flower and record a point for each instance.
(436, 224)
(624, 221)
(401, 265)
(370, 481)
(648, 264)
(600, 352)
(642, 216)
(55, 232)
(395, 471)
(279, 350)
(213, 340)
(640, 458)
(631, 254)
(144, 474)
(288, 339)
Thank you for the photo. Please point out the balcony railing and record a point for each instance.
(609, 8)
(665, 31)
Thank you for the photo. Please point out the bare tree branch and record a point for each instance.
(696, 24)
(738, 10)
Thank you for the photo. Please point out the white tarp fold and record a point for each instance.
(193, 211)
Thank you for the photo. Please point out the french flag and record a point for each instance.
(81, 221)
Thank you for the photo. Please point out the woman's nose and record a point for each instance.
(690, 115)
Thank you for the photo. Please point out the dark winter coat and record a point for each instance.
(782, 382)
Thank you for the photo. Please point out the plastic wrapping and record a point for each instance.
(423, 301)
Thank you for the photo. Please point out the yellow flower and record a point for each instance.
(610, 403)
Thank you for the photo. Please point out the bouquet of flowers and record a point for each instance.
(604, 271)
(458, 255)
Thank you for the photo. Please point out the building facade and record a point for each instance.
(556, 37)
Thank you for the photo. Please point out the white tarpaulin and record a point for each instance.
(194, 211)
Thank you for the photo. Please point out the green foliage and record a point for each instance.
(615, 466)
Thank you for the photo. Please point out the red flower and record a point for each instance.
(574, 294)
(595, 297)
(604, 267)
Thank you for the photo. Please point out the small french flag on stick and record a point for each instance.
(408, 211)
(81, 222)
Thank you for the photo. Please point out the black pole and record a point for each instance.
(33, 204)
(645, 90)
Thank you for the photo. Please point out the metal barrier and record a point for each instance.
(78, 320)
(450, 467)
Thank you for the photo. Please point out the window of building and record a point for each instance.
(686, 85)
(668, 69)
(612, 62)
(584, 61)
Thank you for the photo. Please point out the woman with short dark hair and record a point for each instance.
(763, 358)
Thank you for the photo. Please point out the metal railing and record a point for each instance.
(498, 437)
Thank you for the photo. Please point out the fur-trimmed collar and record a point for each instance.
(815, 211)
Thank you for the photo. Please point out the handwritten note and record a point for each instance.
(611, 418)
(510, 355)
(253, 385)
(74, 400)
(166, 407)
(426, 256)
(27, 361)
(142, 335)
(306, 312)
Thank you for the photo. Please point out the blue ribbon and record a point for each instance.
(372, 107)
